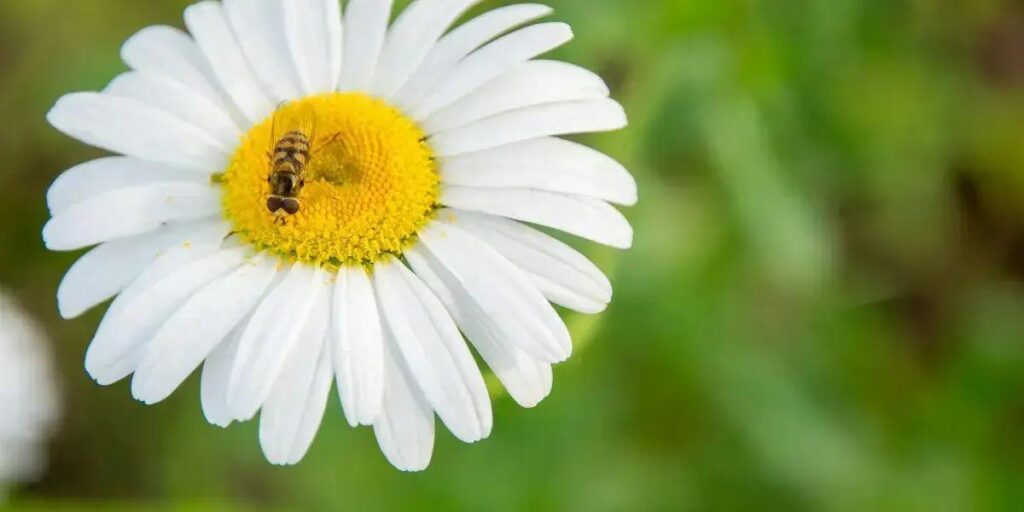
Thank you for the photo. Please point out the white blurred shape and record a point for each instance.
(29, 404)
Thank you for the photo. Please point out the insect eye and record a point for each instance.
(290, 205)
(274, 204)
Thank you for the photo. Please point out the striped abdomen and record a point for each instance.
(291, 153)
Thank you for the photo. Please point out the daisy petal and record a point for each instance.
(313, 414)
(106, 270)
(313, 29)
(190, 334)
(550, 164)
(581, 216)
(111, 173)
(358, 346)
(410, 39)
(299, 397)
(172, 55)
(135, 317)
(335, 40)
(563, 275)
(203, 239)
(130, 127)
(500, 292)
(366, 24)
(536, 82)
(453, 47)
(528, 380)
(585, 116)
(271, 336)
(128, 211)
(259, 27)
(405, 426)
(209, 26)
(214, 380)
(490, 61)
(179, 101)
(433, 350)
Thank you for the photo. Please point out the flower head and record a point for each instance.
(302, 201)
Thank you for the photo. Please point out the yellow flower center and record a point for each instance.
(369, 185)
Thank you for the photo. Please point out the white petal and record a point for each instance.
(358, 346)
(316, 404)
(536, 82)
(313, 29)
(490, 61)
(503, 295)
(565, 276)
(106, 270)
(433, 350)
(132, 128)
(527, 379)
(366, 24)
(111, 173)
(581, 216)
(585, 116)
(335, 40)
(410, 39)
(203, 239)
(405, 426)
(172, 55)
(209, 26)
(180, 101)
(259, 28)
(190, 334)
(551, 164)
(129, 211)
(271, 336)
(216, 372)
(295, 407)
(454, 46)
(136, 315)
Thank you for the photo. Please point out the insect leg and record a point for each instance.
(328, 142)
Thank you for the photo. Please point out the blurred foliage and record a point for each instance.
(823, 310)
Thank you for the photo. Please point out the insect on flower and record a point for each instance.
(411, 162)
(292, 139)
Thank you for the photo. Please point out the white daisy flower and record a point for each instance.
(28, 395)
(302, 199)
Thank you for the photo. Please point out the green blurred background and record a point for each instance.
(823, 309)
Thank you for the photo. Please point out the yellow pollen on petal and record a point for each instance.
(370, 184)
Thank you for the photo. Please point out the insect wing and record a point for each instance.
(293, 117)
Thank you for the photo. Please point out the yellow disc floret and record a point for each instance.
(369, 185)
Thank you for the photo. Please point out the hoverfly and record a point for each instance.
(293, 131)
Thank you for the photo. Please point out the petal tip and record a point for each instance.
(411, 467)
(366, 418)
(531, 399)
(63, 110)
(65, 308)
